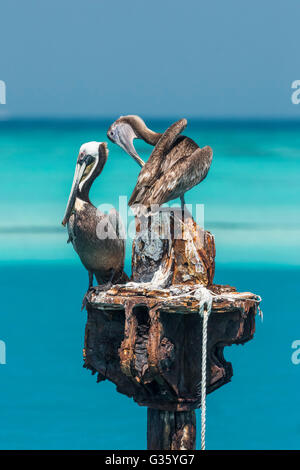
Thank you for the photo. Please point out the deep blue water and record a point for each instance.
(251, 197)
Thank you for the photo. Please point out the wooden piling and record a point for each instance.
(171, 430)
(146, 336)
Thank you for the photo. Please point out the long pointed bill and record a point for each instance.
(134, 155)
(126, 142)
(79, 170)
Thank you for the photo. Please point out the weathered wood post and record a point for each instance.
(146, 335)
(171, 430)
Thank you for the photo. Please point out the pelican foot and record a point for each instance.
(85, 298)
(104, 287)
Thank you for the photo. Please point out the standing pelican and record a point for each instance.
(102, 256)
(176, 164)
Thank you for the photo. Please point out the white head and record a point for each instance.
(90, 162)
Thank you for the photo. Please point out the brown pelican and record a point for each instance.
(176, 164)
(103, 256)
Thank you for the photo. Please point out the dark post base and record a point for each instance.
(171, 430)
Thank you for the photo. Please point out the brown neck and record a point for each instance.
(84, 192)
(141, 130)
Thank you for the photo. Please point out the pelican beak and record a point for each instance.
(125, 140)
(79, 170)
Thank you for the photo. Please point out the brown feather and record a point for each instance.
(176, 164)
(152, 169)
(186, 173)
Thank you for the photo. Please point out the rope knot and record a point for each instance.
(204, 298)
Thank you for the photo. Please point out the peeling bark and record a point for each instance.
(171, 250)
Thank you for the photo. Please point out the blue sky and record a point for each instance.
(157, 58)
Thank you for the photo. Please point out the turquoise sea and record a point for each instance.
(252, 205)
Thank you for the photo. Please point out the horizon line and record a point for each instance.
(192, 118)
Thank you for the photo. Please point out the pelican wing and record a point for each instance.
(167, 139)
(151, 170)
(181, 177)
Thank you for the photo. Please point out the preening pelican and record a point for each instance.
(176, 164)
(102, 256)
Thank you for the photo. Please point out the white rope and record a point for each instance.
(203, 381)
(205, 303)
